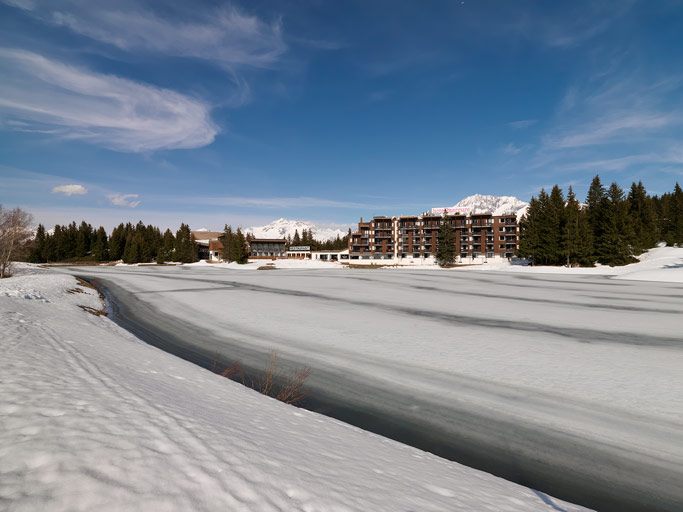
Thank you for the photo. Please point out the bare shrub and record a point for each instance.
(14, 234)
(285, 387)
(93, 311)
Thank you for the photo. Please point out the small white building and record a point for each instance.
(299, 252)
(331, 255)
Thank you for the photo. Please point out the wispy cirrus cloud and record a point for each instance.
(225, 36)
(72, 189)
(625, 118)
(124, 200)
(273, 202)
(510, 149)
(522, 123)
(46, 95)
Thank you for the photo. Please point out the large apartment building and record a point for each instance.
(478, 237)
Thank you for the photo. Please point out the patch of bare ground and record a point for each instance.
(85, 284)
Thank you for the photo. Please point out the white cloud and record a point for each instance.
(225, 36)
(117, 113)
(125, 200)
(611, 128)
(523, 123)
(70, 190)
(511, 149)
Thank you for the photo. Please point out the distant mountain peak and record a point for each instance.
(494, 205)
(283, 228)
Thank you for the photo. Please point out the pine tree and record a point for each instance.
(556, 225)
(596, 202)
(100, 248)
(576, 240)
(614, 247)
(227, 241)
(529, 231)
(675, 236)
(241, 251)
(445, 251)
(39, 245)
(642, 218)
(296, 240)
(117, 242)
(186, 248)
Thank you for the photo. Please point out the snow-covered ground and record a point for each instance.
(589, 366)
(93, 419)
(663, 264)
(659, 264)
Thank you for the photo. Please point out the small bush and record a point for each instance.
(285, 387)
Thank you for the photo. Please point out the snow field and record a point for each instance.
(91, 418)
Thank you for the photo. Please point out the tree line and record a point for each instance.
(610, 228)
(137, 243)
(307, 237)
(140, 243)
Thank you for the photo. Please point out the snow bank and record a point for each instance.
(663, 264)
(277, 263)
(93, 419)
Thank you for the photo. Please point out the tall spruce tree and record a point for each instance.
(185, 247)
(596, 203)
(228, 244)
(614, 246)
(100, 247)
(576, 237)
(240, 247)
(445, 251)
(530, 242)
(38, 250)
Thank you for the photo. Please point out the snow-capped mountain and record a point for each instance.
(282, 228)
(496, 205)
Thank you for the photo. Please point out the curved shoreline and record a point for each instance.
(567, 467)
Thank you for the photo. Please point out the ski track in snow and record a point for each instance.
(93, 419)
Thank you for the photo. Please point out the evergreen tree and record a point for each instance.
(228, 244)
(131, 253)
(117, 242)
(38, 250)
(529, 242)
(556, 225)
(296, 240)
(596, 202)
(186, 248)
(675, 217)
(614, 247)
(241, 252)
(445, 251)
(100, 248)
(84, 235)
(576, 236)
(642, 218)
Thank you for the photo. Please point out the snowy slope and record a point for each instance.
(282, 228)
(664, 264)
(496, 205)
(93, 419)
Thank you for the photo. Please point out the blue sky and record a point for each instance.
(327, 111)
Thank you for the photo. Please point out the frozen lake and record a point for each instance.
(569, 384)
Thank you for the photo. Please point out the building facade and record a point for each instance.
(415, 238)
(267, 248)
